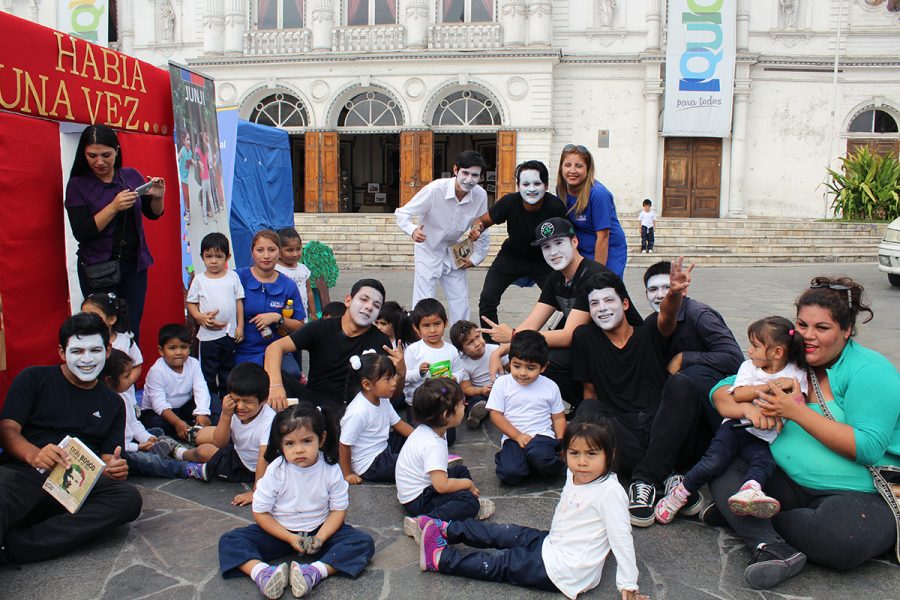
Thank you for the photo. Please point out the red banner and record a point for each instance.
(47, 73)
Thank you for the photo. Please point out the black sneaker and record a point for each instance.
(641, 500)
(712, 516)
(773, 564)
(695, 500)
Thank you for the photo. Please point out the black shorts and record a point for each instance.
(226, 465)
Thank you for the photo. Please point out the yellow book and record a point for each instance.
(71, 486)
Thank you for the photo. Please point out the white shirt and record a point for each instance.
(365, 428)
(222, 294)
(444, 219)
(135, 432)
(301, 498)
(440, 359)
(590, 520)
(527, 407)
(125, 343)
(248, 437)
(647, 218)
(748, 374)
(299, 274)
(478, 370)
(164, 388)
(424, 452)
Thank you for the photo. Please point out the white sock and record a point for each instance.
(320, 567)
(179, 453)
(256, 570)
(752, 483)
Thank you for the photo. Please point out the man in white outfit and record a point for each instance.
(445, 208)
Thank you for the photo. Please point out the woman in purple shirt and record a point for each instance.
(105, 211)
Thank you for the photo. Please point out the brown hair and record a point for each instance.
(268, 234)
(841, 296)
(562, 188)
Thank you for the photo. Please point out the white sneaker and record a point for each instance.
(752, 502)
(486, 508)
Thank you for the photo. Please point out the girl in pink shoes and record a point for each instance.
(299, 507)
(776, 355)
(590, 520)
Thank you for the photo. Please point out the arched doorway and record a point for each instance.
(875, 127)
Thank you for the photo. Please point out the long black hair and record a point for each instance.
(399, 319)
(317, 419)
(95, 134)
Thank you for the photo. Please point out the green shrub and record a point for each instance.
(868, 188)
(319, 258)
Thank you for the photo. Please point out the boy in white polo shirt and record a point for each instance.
(528, 410)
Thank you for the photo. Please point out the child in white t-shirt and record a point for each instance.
(475, 356)
(299, 507)
(290, 263)
(216, 301)
(528, 410)
(371, 430)
(647, 217)
(114, 313)
(591, 519)
(431, 357)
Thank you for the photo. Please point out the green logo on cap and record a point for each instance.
(547, 229)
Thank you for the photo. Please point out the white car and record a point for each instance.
(889, 253)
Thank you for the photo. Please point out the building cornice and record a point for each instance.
(333, 57)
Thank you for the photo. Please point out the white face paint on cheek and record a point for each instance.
(657, 288)
(362, 306)
(467, 180)
(86, 357)
(558, 253)
(531, 188)
(606, 308)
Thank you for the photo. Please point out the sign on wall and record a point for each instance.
(85, 19)
(700, 57)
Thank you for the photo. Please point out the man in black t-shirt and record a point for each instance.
(522, 212)
(45, 404)
(623, 372)
(330, 344)
(561, 292)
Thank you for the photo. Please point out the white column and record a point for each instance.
(126, 26)
(652, 93)
(213, 27)
(512, 21)
(540, 22)
(738, 146)
(416, 12)
(653, 25)
(235, 25)
(743, 26)
(322, 21)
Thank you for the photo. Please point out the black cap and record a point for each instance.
(557, 227)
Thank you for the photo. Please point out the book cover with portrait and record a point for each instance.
(71, 485)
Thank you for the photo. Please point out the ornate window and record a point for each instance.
(466, 108)
(279, 14)
(370, 109)
(873, 121)
(467, 11)
(280, 110)
(371, 12)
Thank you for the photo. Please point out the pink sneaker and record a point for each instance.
(454, 459)
(431, 546)
(413, 526)
(753, 502)
(668, 507)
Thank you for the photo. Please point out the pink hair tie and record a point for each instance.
(791, 332)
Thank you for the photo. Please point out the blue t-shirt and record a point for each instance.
(600, 214)
(263, 298)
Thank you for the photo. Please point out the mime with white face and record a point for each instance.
(45, 404)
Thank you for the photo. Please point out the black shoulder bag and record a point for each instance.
(108, 273)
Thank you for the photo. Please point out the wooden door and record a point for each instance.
(322, 179)
(416, 162)
(881, 147)
(692, 176)
(506, 163)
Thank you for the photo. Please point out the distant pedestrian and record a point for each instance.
(647, 217)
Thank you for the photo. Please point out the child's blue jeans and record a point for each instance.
(348, 550)
(383, 467)
(647, 238)
(540, 457)
(447, 507)
(152, 465)
(518, 559)
(727, 444)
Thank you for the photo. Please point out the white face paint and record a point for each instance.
(467, 178)
(531, 188)
(85, 356)
(606, 308)
(365, 306)
(558, 252)
(657, 288)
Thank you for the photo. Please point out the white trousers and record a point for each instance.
(456, 287)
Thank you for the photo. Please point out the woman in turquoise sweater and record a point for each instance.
(831, 512)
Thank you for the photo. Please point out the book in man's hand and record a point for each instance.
(71, 485)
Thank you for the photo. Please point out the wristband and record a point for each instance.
(274, 385)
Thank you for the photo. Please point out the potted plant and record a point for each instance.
(868, 188)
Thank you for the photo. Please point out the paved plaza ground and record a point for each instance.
(171, 551)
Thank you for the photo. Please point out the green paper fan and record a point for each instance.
(319, 258)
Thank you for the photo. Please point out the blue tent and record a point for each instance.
(262, 193)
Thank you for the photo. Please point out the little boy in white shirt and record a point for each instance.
(475, 355)
(647, 217)
(528, 410)
(290, 263)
